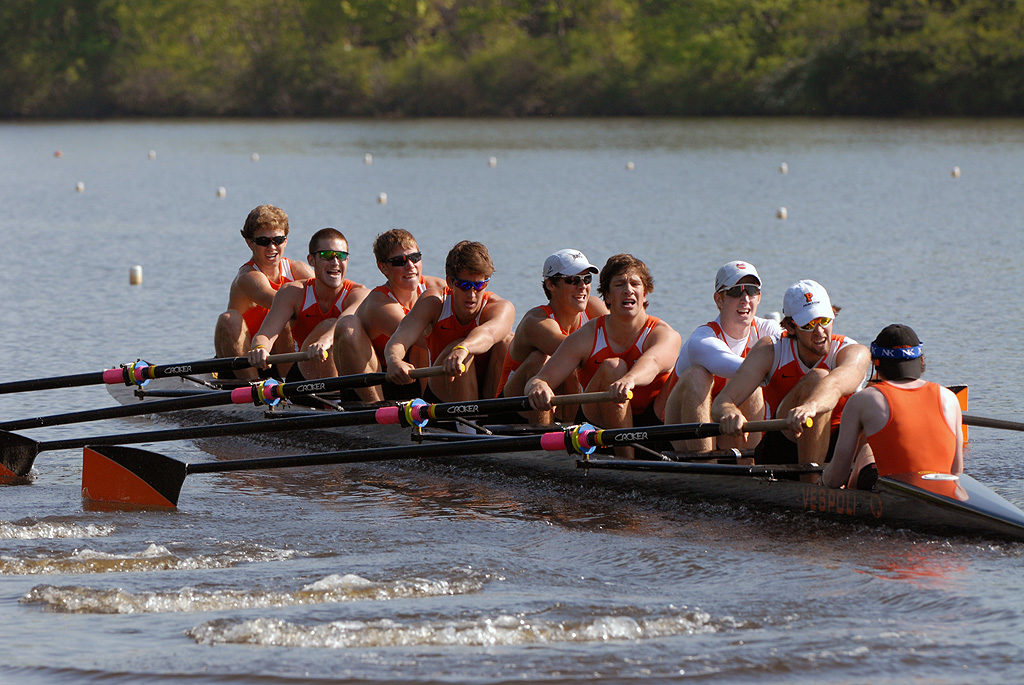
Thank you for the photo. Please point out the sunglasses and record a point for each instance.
(265, 240)
(822, 321)
(738, 290)
(575, 280)
(470, 285)
(403, 259)
(341, 255)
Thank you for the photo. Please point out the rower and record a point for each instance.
(467, 329)
(627, 352)
(566, 283)
(807, 374)
(312, 307)
(360, 338)
(910, 424)
(714, 352)
(254, 286)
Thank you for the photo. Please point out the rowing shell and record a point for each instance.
(930, 502)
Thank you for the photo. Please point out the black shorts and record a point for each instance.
(776, 448)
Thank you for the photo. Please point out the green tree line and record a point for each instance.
(101, 58)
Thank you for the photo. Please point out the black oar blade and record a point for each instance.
(128, 475)
(17, 454)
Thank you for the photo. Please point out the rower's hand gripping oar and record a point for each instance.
(268, 392)
(141, 372)
(131, 476)
(17, 452)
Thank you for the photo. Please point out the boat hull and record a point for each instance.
(942, 505)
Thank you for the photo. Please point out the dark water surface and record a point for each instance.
(395, 572)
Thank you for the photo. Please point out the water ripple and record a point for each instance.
(153, 558)
(30, 529)
(333, 588)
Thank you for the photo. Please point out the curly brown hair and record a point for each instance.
(265, 216)
(621, 263)
(470, 257)
(386, 242)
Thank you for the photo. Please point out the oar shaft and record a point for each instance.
(676, 431)
(500, 404)
(475, 446)
(986, 422)
(144, 372)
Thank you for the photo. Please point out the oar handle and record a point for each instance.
(291, 357)
(583, 398)
(769, 425)
(426, 372)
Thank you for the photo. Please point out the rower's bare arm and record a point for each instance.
(355, 298)
(379, 313)
(566, 359)
(256, 286)
(753, 370)
(837, 472)
(413, 326)
(283, 309)
(954, 418)
(496, 323)
(852, 365)
(539, 332)
(659, 356)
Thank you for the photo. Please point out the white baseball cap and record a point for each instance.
(731, 273)
(806, 301)
(567, 262)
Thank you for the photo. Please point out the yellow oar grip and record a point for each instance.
(462, 368)
(809, 422)
(629, 395)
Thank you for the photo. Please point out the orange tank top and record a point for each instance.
(255, 314)
(380, 341)
(310, 315)
(916, 437)
(643, 396)
(447, 328)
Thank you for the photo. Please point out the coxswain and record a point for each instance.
(714, 352)
(627, 352)
(911, 425)
(266, 234)
(808, 374)
(566, 279)
(360, 338)
(312, 307)
(466, 328)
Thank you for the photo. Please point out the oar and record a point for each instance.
(268, 392)
(129, 475)
(139, 373)
(986, 422)
(18, 453)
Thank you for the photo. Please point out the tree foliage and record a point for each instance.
(87, 58)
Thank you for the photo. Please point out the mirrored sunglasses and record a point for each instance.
(402, 259)
(575, 280)
(265, 240)
(341, 255)
(822, 321)
(470, 285)
(737, 290)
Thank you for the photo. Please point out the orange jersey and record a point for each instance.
(311, 315)
(509, 366)
(380, 341)
(255, 314)
(447, 328)
(916, 437)
(787, 370)
(642, 395)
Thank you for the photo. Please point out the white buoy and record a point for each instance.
(783, 168)
(956, 172)
(382, 198)
(135, 275)
(254, 157)
(781, 213)
(492, 162)
(367, 158)
(80, 187)
(222, 191)
(152, 154)
(630, 166)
